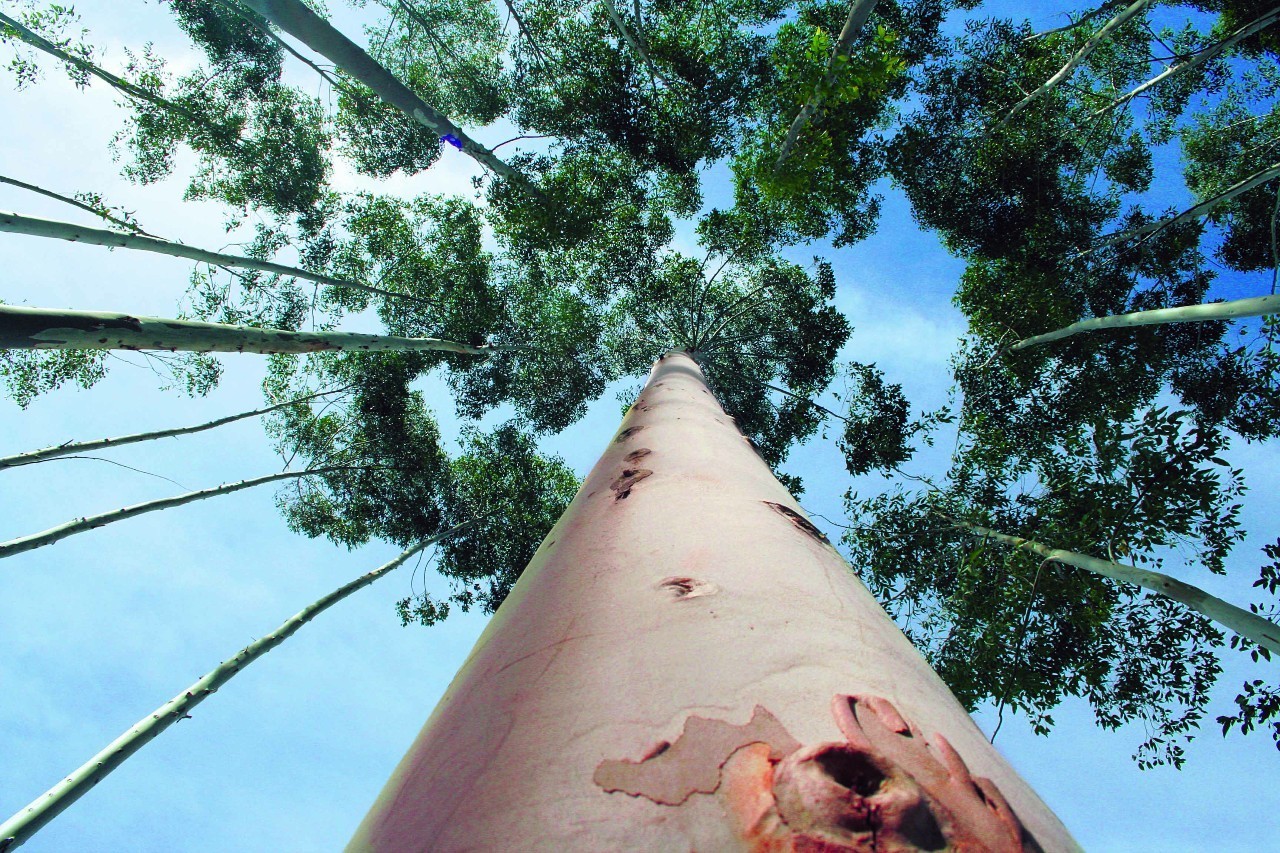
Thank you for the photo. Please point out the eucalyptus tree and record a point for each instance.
(581, 286)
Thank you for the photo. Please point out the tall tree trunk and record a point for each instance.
(1254, 306)
(296, 19)
(51, 328)
(30, 820)
(35, 226)
(687, 663)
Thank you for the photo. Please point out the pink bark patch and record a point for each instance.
(669, 774)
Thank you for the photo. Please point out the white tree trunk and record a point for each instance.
(35, 226)
(1257, 306)
(1078, 57)
(71, 447)
(1261, 631)
(1202, 209)
(48, 328)
(28, 821)
(859, 12)
(1199, 58)
(315, 32)
(687, 663)
(90, 522)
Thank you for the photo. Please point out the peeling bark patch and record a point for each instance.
(628, 432)
(798, 520)
(884, 788)
(669, 774)
(629, 477)
(682, 588)
(637, 455)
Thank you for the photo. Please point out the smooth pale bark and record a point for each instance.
(30, 457)
(35, 226)
(50, 328)
(1202, 209)
(91, 522)
(859, 12)
(1078, 57)
(28, 821)
(316, 33)
(1250, 625)
(1257, 306)
(683, 590)
(1199, 58)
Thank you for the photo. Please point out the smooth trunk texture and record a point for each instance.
(682, 591)
(51, 328)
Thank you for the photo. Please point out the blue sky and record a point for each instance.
(98, 630)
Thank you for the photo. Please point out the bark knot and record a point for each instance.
(628, 432)
(682, 588)
(626, 480)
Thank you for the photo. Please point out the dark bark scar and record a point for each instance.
(629, 477)
(798, 520)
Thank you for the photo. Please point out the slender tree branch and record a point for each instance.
(1200, 57)
(633, 41)
(75, 202)
(1080, 22)
(1249, 625)
(132, 90)
(1078, 57)
(859, 12)
(68, 448)
(780, 390)
(28, 821)
(34, 226)
(1202, 209)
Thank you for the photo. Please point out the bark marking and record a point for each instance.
(628, 432)
(637, 455)
(798, 520)
(884, 788)
(670, 773)
(683, 588)
(629, 477)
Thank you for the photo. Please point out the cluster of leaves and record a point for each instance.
(1065, 444)
(1001, 627)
